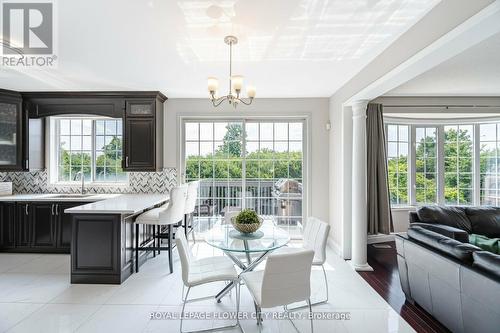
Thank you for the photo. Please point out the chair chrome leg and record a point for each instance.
(186, 300)
(317, 302)
(170, 243)
(183, 307)
(137, 248)
(310, 314)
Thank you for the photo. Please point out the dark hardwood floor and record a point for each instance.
(385, 280)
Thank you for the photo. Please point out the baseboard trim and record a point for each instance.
(335, 247)
(380, 238)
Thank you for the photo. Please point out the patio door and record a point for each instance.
(247, 163)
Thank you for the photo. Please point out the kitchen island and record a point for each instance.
(103, 233)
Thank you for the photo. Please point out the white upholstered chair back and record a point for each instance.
(184, 253)
(192, 196)
(229, 215)
(287, 277)
(174, 212)
(315, 238)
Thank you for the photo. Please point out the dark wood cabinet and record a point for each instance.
(7, 225)
(43, 223)
(23, 225)
(64, 225)
(36, 226)
(13, 122)
(143, 135)
(141, 111)
(140, 144)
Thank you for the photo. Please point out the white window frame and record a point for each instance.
(440, 124)
(52, 151)
(306, 139)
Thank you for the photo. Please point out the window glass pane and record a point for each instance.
(206, 131)
(489, 164)
(392, 133)
(87, 127)
(272, 159)
(295, 131)
(191, 131)
(99, 127)
(397, 163)
(425, 165)
(77, 151)
(458, 157)
(76, 127)
(110, 127)
(64, 127)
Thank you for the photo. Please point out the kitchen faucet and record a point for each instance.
(80, 173)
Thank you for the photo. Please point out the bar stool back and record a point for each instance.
(162, 217)
(189, 208)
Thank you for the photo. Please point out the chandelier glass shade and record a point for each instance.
(234, 96)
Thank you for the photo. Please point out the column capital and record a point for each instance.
(359, 108)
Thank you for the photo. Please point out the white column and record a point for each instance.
(359, 205)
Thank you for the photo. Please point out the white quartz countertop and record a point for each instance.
(121, 204)
(59, 197)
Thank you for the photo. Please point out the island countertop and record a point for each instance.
(121, 204)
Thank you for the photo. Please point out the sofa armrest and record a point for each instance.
(444, 244)
(413, 217)
(454, 233)
(488, 262)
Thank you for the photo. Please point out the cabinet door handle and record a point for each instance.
(57, 209)
(52, 209)
(26, 209)
(126, 161)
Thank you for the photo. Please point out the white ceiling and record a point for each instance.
(300, 48)
(475, 72)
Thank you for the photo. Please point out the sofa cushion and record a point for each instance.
(451, 247)
(484, 220)
(487, 262)
(452, 216)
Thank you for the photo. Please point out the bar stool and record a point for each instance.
(165, 216)
(190, 206)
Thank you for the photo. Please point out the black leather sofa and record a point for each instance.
(457, 282)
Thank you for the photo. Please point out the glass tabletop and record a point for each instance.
(268, 237)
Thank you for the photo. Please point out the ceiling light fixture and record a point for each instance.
(235, 83)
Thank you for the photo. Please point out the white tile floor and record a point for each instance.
(36, 296)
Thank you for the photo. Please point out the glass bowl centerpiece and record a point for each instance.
(247, 221)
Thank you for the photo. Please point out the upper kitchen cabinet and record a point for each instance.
(143, 134)
(12, 132)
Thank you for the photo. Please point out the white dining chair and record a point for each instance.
(203, 271)
(286, 279)
(189, 208)
(229, 215)
(165, 216)
(315, 238)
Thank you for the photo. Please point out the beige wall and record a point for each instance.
(315, 109)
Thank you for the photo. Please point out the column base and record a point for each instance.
(360, 268)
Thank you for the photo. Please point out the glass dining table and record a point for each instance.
(247, 251)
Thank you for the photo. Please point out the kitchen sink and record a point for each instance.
(73, 195)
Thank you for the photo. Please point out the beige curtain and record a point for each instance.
(379, 207)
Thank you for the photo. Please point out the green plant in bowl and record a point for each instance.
(247, 221)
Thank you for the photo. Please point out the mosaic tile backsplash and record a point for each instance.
(31, 182)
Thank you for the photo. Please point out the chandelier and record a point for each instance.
(235, 83)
